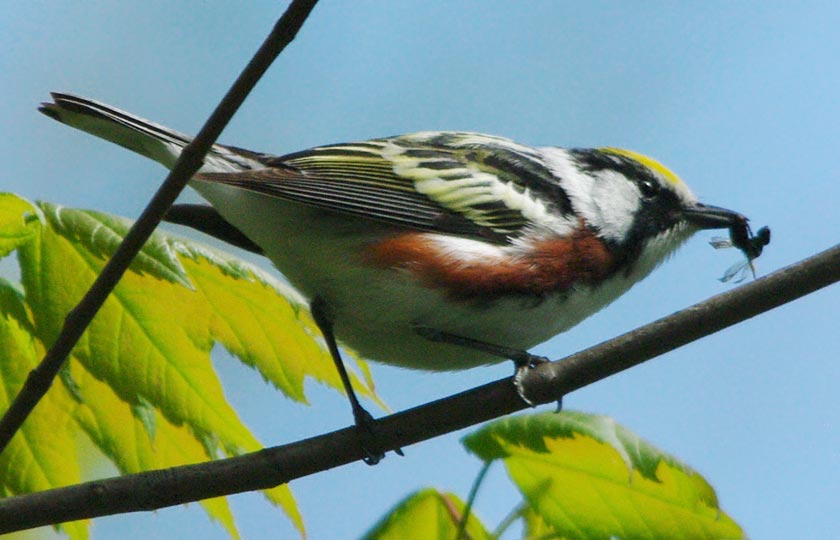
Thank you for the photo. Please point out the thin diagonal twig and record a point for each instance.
(188, 163)
(545, 383)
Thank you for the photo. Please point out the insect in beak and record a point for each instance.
(740, 235)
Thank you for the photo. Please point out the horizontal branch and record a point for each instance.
(546, 383)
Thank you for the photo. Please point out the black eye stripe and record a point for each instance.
(593, 160)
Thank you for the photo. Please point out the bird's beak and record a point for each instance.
(705, 216)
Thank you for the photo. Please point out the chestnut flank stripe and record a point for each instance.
(554, 264)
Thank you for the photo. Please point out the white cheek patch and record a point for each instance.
(606, 201)
(618, 200)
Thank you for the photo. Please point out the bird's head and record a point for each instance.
(638, 207)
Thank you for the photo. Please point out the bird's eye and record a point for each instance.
(649, 188)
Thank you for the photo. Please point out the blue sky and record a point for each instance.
(738, 98)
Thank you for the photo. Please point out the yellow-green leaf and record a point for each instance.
(143, 385)
(42, 454)
(282, 496)
(589, 478)
(249, 321)
(16, 222)
(152, 338)
(114, 427)
(427, 515)
(146, 342)
(100, 234)
(262, 321)
(536, 528)
(140, 382)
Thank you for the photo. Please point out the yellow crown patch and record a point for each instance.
(648, 162)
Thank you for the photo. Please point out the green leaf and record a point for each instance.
(17, 217)
(260, 320)
(253, 325)
(152, 338)
(124, 437)
(145, 342)
(536, 528)
(427, 515)
(42, 454)
(589, 478)
(140, 382)
(151, 341)
(100, 234)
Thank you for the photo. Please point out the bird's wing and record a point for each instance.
(458, 183)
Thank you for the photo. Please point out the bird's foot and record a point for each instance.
(523, 360)
(366, 427)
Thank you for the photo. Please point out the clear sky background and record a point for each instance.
(738, 98)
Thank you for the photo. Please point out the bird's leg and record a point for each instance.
(363, 419)
(523, 360)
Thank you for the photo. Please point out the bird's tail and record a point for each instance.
(139, 135)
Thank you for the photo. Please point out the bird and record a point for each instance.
(436, 250)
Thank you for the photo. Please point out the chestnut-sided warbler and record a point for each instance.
(435, 250)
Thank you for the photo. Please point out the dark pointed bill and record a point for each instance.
(705, 216)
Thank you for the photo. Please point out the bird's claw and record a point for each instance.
(366, 426)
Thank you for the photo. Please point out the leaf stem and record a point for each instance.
(479, 479)
(509, 519)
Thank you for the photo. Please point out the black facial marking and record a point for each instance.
(659, 210)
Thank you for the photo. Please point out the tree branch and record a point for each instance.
(544, 384)
(188, 163)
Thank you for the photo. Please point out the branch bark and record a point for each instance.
(544, 384)
(188, 163)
